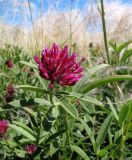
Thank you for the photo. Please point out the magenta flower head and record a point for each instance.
(3, 127)
(59, 67)
(9, 63)
(10, 89)
(10, 93)
(30, 148)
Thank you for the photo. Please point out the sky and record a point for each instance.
(13, 12)
(63, 4)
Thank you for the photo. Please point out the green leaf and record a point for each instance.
(108, 147)
(32, 88)
(53, 149)
(113, 109)
(53, 136)
(129, 115)
(80, 152)
(28, 102)
(49, 119)
(125, 113)
(126, 55)
(87, 75)
(102, 152)
(30, 64)
(117, 136)
(68, 107)
(43, 82)
(12, 144)
(122, 114)
(88, 130)
(113, 45)
(122, 46)
(23, 132)
(86, 98)
(22, 103)
(104, 81)
(20, 153)
(42, 102)
(3, 75)
(103, 131)
(25, 141)
(26, 128)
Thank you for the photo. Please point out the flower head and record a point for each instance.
(30, 148)
(83, 59)
(10, 89)
(3, 127)
(9, 63)
(57, 66)
(10, 93)
(90, 45)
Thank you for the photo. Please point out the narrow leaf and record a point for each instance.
(103, 131)
(32, 88)
(23, 132)
(86, 98)
(53, 136)
(113, 109)
(68, 107)
(126, 55)
(88, 130)
(104, 81)
(80, 152)
(87, 75)
(26, 128)
(29, 64)
(125, 113)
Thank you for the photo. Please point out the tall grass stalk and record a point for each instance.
(104, 31)
(34, 31)
(71, 25)
(41, 14)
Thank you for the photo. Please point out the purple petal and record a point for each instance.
(37, 60)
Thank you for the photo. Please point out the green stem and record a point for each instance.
(67, 128)
(31, 157)
(51, 97)
(97, 157)
(123, 140)
(104, 31)
(38, 136)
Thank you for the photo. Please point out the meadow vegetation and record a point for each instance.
(66, 81)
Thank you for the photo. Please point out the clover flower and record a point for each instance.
(30, 148)
(59, 67)
(10, 93)
(3, 127)
(9, 63)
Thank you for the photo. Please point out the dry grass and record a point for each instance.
(74, 26)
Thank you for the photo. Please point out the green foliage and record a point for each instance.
(87, 121)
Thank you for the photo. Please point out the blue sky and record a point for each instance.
(63, 3)
(7, 10)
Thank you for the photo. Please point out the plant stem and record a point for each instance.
(41, 14)
(67, 129)
(123, 140)
(70, 25)
(51, 98)
(34, 31)
(104, 31)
